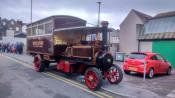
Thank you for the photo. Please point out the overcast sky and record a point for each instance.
(113, 11)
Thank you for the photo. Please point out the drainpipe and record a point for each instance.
(138, 45)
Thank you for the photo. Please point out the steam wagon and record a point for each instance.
(74, 47)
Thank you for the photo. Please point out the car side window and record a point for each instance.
(160, 58)
(154, 58)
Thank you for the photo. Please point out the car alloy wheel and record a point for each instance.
(151, 73)
(169, 71)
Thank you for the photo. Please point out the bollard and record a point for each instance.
(144, 74)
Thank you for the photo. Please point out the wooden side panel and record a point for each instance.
(40, 44)
(82, 52)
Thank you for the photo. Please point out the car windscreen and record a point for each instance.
(137, 56)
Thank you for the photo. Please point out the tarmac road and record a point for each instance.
(19, 81)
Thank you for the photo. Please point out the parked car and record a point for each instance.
(155, 64)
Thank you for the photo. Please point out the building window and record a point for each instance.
(17, 28)
(114, 40)
(4, 23)
(12, 22)
(48, 27)
(34, 31)
(41, 29)
(29, 31)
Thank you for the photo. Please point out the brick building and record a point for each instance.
(11, 25)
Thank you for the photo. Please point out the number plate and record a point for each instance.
(132, 68)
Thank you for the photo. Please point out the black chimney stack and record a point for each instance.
(104, 31)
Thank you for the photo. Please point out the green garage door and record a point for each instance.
(166, 49)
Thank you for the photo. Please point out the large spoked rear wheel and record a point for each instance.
(93, 78)
(38, 64)
(115, 75)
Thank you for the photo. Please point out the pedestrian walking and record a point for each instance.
(0, 47)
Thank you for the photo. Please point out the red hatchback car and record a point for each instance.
(155, 64)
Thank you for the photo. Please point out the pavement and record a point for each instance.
(132, 86)
(171, 94)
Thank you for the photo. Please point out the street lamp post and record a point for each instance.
(31, 12)
(31, 16)
(98, 24)
(99, 9)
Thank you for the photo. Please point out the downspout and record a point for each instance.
(138, 45)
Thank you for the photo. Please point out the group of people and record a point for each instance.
(12, 47)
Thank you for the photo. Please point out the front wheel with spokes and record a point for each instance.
(115, 74)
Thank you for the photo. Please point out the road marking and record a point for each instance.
(20, 62)
(100, 96)
(71, 82)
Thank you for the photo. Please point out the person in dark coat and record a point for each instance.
(6, 47)
(0, 47)
(3, 47)
(17, 47)
(21, 47)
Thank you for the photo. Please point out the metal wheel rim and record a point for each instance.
(169, 70)
(37, 64)
(151, 73)
(91, 79)
(113, 74)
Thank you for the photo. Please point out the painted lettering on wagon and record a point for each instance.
(37, 43)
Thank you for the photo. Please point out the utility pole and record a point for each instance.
(31, 12)
(98, 24)
(99, 9)
(31, 16)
